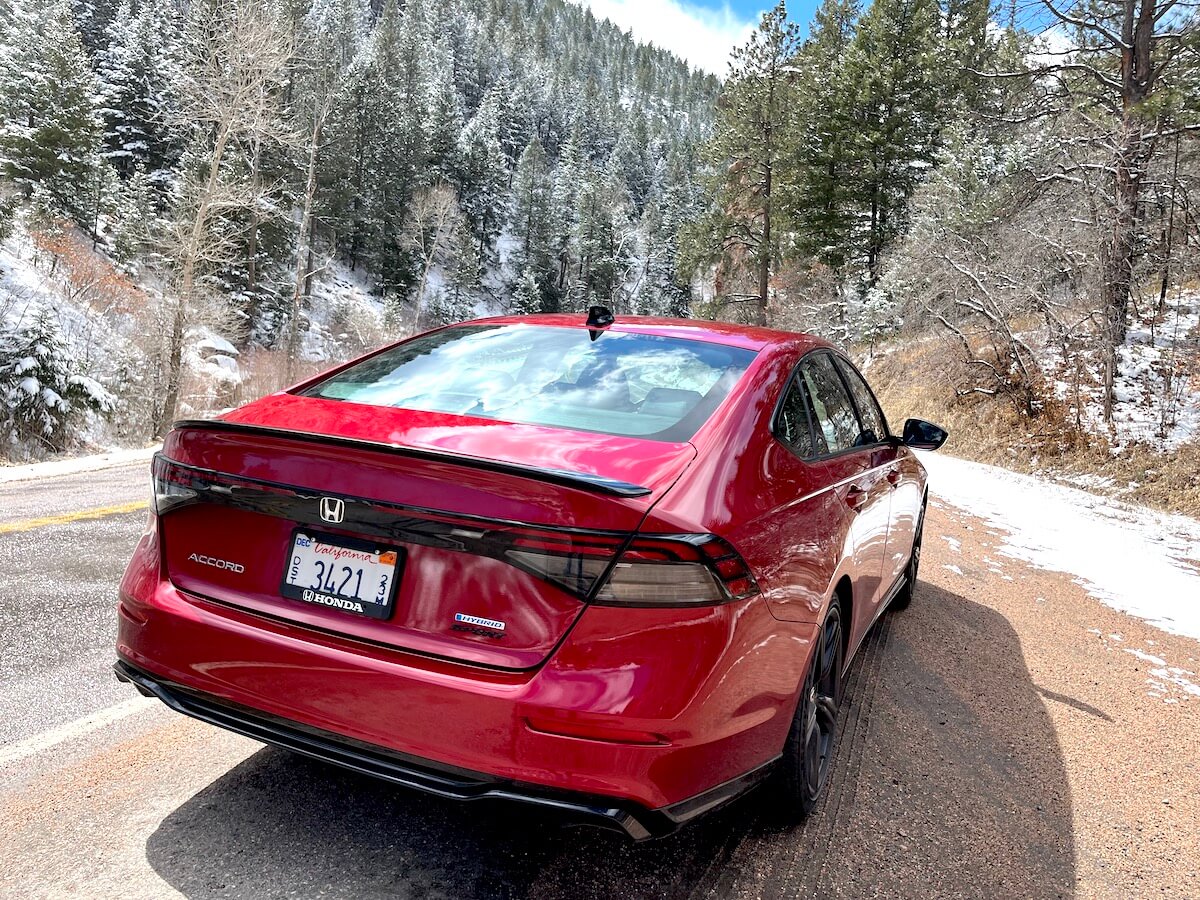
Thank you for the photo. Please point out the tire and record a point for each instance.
(905, 597)
(808, 752)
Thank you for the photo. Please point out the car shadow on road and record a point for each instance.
(949, 782)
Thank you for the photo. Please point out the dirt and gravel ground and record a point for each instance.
(1007, 736)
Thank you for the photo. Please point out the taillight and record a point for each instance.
(574, 560)
(650, 570)
(677, 570)
(170, 486)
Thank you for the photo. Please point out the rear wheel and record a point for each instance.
(905, 597)
(807, 755)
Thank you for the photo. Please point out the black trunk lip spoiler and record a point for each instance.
(586, 481)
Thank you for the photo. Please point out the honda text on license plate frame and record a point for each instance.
(341, 573)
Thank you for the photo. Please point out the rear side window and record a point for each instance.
(792, 425)
(834, 412)
(874, 424)
(635, 385)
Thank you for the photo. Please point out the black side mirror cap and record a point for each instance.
(922, 435)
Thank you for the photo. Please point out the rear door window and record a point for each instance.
(793, 425)
(834, 412)
(874, 424)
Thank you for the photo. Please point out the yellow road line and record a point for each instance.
(98, 513)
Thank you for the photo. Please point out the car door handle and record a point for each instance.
(893, 478)
(855, 497)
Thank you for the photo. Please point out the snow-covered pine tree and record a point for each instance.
(139, 73)
(483, 172)
(43, 398)
(527, 295)
(50, 132)
(94, 19)
(530, 223)
(662, 291)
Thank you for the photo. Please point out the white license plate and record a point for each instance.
(341, 574)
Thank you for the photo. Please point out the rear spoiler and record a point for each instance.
(580, 480)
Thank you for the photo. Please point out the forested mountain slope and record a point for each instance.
(433, 158)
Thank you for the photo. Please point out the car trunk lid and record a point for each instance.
(472, 508)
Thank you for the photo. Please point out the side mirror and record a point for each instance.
(922, 435)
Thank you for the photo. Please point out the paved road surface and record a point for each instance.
(1006, 736)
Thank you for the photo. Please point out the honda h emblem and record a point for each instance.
(333, 509)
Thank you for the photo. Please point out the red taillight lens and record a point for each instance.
(677, 570)
(171, 486)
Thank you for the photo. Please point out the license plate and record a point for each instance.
(351, 576)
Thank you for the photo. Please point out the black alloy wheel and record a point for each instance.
(808, 752)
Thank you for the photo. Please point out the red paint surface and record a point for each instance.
(714, 688)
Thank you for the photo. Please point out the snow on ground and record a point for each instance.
(77, 464)
(1131, 558)
(1157, 389)
(344, 316)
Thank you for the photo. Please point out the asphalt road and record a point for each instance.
(1001, 739)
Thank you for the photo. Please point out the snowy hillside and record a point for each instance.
(77, 333)
(1157, 388)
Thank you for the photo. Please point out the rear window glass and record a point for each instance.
(635, 385)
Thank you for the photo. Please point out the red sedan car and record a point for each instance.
(612, 568)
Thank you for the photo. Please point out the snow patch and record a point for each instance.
(1128, 557)
(92, 463)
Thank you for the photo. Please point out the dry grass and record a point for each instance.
(919, 378)
(266, 372)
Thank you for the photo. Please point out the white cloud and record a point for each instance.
(702, 36)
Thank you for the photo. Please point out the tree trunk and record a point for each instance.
(187, 278)
(252, 239)
(1168, 239)
(304, 243)
(764, 254)
(1119, 250)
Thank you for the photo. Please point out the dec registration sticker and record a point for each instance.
(341, 574)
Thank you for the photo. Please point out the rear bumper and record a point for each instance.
(657, 717)
(627, 817)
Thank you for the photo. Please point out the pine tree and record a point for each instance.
(44, 396)
(50, 137)
(564, 209)
(527, 295)
(530, 223)
(818, 172)
(136, 223)
(742, 230)
(663, 291)
(139, 73)
(94, 20)
(483, 172)
(893, 72)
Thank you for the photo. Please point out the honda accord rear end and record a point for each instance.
(443, 565)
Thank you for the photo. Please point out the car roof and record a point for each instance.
(749, 337)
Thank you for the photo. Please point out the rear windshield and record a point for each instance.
(635, 385)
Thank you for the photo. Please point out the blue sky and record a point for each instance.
(701, 32)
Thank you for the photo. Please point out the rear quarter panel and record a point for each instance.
(750, 489)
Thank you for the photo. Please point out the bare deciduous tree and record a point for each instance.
(238, 57)
(1123, 53)
(429, 231)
